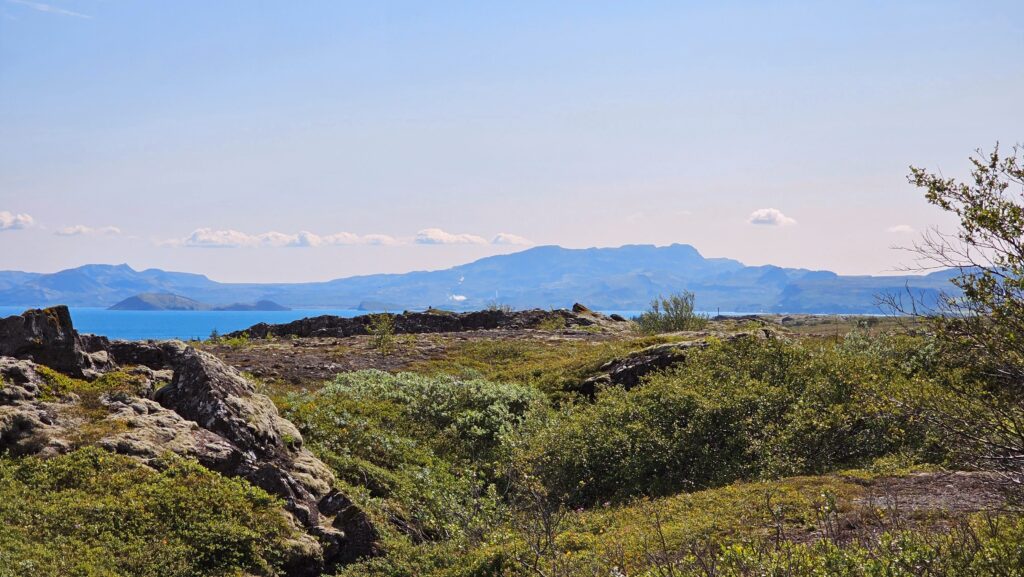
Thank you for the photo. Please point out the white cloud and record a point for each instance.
(81, 229)
(901, 229)
(211, 238)
(458, 298)
(11, 221)
(348, 239)
(40, 7)
(438, 236)
(380, 239)
(770, 217)
(230, 238)
(511, 239)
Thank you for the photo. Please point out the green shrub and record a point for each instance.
(743, 409)
(382, 332)
(236, 342)
(93, 513)
(420, 446)
(671, 314)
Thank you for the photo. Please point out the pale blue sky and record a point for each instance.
(147, 131)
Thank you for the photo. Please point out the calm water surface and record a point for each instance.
(141, 325)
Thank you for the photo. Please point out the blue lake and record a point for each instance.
(141, 325)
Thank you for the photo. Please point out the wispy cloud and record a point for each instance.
(901, 229)
(438, 236)
(212, 238)
(230, 238)
(507, 238)
(81, 229)
(11, 221)
(49, 8)
(770, 217)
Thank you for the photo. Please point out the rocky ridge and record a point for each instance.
(184, 401)
(435, 321)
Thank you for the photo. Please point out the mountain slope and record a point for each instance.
(622, 278)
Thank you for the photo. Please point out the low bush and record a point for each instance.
(421, 447)
(92, 513)
(382, 332)
(671, 314)
(744, 409)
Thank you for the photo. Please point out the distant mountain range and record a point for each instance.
(173, 302)
(623, 278)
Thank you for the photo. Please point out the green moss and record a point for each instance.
(89, 408)
(56, 385)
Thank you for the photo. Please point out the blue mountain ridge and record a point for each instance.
(622, 278)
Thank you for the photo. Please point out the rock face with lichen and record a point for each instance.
(205, 410)
(47, 337)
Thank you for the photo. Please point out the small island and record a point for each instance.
(173, 302)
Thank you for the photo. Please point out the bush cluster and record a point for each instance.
(92, 513)
(421, 447)
(672, 314)
(737, 410)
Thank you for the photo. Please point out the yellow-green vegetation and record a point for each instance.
(88, 407)
(551, 323)
(236, 342)
(788, 508)
(551, 366)
(58, 385)
(91, 513)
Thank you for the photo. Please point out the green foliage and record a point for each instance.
(91, 513)
(382, 332)
(420, 446)
(551, 366)
(980, 329)
(55, 385)
(671, 314)
(744, 409)
(551, 323)
(980, 548)
(798, 527)
(89, 393)
(984, 323)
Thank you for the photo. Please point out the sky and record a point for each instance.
(297, 141)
